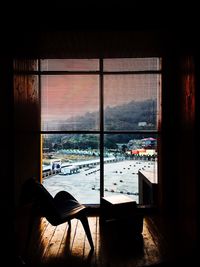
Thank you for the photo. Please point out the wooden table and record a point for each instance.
(148, 187)
(121, 210)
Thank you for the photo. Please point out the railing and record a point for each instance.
(50, 173)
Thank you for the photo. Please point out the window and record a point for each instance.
(100, 124)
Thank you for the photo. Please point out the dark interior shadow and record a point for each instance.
(89, 257)
(67, 240)
(67, 259)
(119, 240)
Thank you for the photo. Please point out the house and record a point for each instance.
(142, 123)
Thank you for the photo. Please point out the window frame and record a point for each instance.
(101, 73)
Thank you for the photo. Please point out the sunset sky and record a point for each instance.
(73, 95)
(66, 96)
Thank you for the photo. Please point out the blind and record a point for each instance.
(132, 102)
(70, 65)
(69, 102)
(132, 64)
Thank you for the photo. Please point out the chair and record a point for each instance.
(57, 210)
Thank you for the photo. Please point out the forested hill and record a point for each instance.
(130, 115)
(123, 117)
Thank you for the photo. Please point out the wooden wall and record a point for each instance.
(187, 146)
(27, 124)
(178, 187)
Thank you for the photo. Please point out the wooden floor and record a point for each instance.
(62, 246)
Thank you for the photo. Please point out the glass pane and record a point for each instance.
(71, 162)
(132, 64)
(70, 65)
(126, 155)
(132, 102)
(70, 102)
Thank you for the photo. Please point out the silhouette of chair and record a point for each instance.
(57, 210)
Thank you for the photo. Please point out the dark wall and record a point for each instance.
(179, 187)
(26, 125)
(6, 155)
(87, 43)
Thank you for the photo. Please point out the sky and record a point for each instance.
(66, 96)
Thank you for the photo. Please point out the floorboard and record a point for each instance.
(64, 246)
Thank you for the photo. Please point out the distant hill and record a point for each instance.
(123, 117)
(128, 116)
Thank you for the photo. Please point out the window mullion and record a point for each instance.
(101, 130)
(40, 110)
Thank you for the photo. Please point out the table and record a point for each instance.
(148, 187)
(121, 210)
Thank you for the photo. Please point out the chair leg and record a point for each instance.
(86, 227)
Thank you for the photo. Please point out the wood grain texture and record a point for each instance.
(68, 246)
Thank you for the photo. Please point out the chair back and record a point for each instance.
(42, 200)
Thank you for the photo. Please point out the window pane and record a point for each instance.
(132, 102)
(70, 65)
(71, 162)
(70, 102)
(125, 155)
(132, 64)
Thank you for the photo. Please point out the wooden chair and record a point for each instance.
(57, 210)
